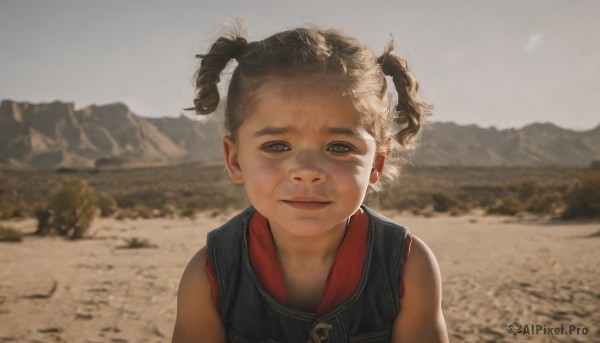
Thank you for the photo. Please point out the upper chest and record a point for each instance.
(304, 287)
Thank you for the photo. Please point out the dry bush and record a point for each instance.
(108, 205)
(43, 214)
(168, 211)
(6, 210)
(529, 189)
(188, 212)
(583, 198)
(443, 202)
(10, 234)
(21, 210)
(137, 243)
(143, 211)
(539, 198)
(73, 207)
(394, 198)
(529, 196)
(547, 202)
(455, 212)
(125, 213)
(150, 196)
(508, 205)
(9, 210)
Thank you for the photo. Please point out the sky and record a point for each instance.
(502, 63)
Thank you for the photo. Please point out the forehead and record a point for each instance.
(310, 102)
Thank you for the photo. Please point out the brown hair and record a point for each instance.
(311, 51)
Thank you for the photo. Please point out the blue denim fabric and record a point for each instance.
(249, 314)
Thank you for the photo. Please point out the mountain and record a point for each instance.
(54, 135)
(200, 140)
(535, 144)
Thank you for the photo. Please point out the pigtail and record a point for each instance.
(411, 108)
(212, 64)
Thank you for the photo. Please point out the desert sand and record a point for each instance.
(495, 271)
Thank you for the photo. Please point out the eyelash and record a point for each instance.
(270, 147)
(278, 147)
(347, 148)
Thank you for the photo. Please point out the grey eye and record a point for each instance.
(339, 148)
(276, 147)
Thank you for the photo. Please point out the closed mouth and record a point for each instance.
(306, 204)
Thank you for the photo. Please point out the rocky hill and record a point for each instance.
(533, 145)
(54, 135)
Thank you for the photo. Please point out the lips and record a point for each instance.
(307, 203)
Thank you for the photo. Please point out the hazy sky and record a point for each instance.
(505, 63)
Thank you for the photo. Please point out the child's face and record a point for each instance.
(304, 159)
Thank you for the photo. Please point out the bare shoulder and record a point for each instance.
(421, 265)
(197, 316)
(420, 318)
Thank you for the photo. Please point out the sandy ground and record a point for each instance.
(495, 271)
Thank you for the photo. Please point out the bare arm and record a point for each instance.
(420, 318)
(197, 316)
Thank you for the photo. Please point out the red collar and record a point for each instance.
(344, 276)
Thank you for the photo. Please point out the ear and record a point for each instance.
(378, 164)
(231, 158)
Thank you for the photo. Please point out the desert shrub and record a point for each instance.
(454, 212)
(6, 210)
(126, 213)
(416, 211)
(537, 197)
(149, 197)
(168, 211)
(583, 197)
(442, 202)
(546, 202)
(188, 212)
(137, 243)
(529, 189)
(108, 205)
(508, 205)
(43, 214)
(73, 207)
(10, 234)
(21, 210)
(482, 195)
(142, 211)
(12, 210)
(428, 213)
(394, 199)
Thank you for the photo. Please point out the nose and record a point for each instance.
(307, 168)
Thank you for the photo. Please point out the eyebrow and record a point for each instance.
(274, 131)
(270, 131)
(345, 131)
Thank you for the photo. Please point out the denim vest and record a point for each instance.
(249, 314)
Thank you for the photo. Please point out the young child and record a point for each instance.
(310, 126)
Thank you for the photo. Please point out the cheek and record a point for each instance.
(260, 172)
(352, 175)
(261, 178)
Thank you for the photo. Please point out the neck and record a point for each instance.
(302, 251)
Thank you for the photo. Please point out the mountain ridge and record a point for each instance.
(55, 135)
